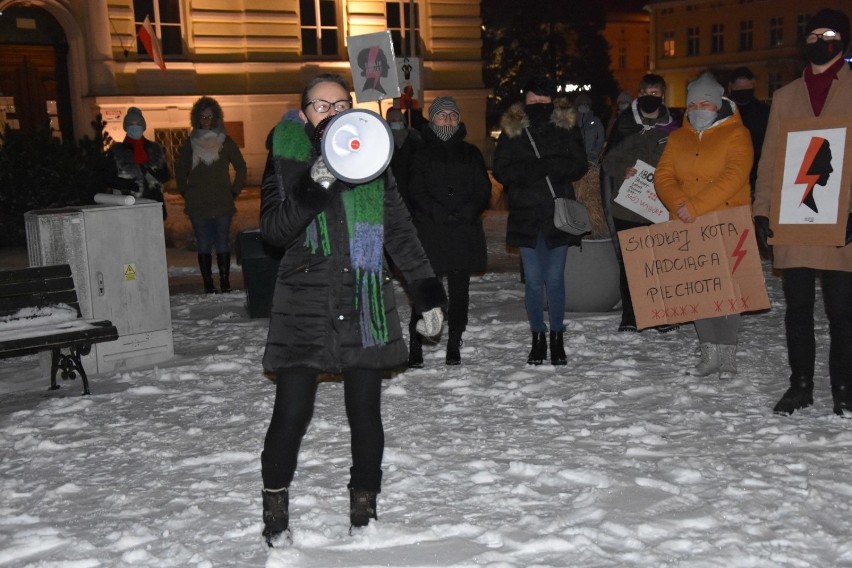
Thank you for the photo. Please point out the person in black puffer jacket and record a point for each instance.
(552, 124)
(333, 308)
(449, 189)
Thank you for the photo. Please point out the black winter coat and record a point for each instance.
(449, 189)
(314, 323)
(563, 159)
(140, 180)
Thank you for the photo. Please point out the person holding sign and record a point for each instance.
(704, 168)
(333, 309)
(824, 92)
(644, 127)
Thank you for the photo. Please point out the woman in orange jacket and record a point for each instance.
(705, 167)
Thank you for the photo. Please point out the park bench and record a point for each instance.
(39, 311)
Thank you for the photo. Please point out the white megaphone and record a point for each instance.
(357, 145)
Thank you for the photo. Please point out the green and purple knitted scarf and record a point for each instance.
(365, 213)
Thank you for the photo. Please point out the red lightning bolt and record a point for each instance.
(807, 178)
(739, 253)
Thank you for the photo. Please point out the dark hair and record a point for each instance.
(324, 78)
(741, 73)
(651, 79)
(541, 86)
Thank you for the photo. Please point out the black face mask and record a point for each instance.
(649, 103)
(539, 112)
(821, 52)
(742, 96)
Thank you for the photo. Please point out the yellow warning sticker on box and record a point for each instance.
(129, 272)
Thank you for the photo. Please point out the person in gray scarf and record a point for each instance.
(204, 180)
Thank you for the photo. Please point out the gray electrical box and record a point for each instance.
(118, 259)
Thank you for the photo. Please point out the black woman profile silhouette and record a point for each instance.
(374, 65)
(816, 169)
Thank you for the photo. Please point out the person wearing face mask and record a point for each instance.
(333, 307)
(449, 189)
(552, 124)
(823, 91)
(645, 129)
(755, 113)
(406, 141)
(622, 103)
(137, 166)
(204, 180)
(705, 168)
(591, 127)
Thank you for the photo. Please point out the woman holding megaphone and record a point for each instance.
(333, 306)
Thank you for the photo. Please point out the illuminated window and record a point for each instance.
(717, 38)
(164, 16)
(318, 20)
(668, 44)
(776, 32)
(746, 35)
(693, 37)
(398, 20)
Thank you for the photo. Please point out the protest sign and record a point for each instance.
(810, 192)
(638, 195)
(680, 272)
(373, 66)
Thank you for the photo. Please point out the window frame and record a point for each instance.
(157, 24)
(318, 27)
(401, 31)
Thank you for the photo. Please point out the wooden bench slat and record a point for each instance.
(100, 332)
(31, 286)
(12, 304)
(36, 272)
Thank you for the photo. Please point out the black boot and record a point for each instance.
(557, 349)
(205, 264)
(276, 515)
(842, 396)
(539, 349)
(799, 395)
(454, 347)
(415, 346)
(362, 507)
(223, 259)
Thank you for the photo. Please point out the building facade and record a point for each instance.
(628, 36)
(690, 36)
(66, 61)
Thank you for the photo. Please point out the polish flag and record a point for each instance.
(151, 43)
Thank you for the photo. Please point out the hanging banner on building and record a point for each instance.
(680, 272)
(810, 195)
(637, 194)
(373, 68)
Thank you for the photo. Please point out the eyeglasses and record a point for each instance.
(323, 107)
(828, 35)
(452, 116)
(206, 117)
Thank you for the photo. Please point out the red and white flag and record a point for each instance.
(151, 43)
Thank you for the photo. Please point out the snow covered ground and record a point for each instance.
(618, 459)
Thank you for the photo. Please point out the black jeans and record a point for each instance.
(458, 304)
(294, 406)
(627, 315)
(800, 295)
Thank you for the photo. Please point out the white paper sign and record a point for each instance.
(810, 192)
(638, 195)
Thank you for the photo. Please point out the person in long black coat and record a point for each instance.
(333, 307)
(448, 190)
(552, 124)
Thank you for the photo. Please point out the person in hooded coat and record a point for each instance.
(705, 168)
(448, 191)
(333, 308)
(552, 123)
(137, 166)
(204, 180)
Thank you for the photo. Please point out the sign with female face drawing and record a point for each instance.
(811, 199)
(373, 67)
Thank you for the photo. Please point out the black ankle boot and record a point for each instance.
(842, 396)
(538, 352)
(362, 507)
(205, 265)
(223, 259)
(415, 351)
(454, 348)
(557, 349)
(799, 395)
(276, 515)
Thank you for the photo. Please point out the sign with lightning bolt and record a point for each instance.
(811, 195)
(680, 272)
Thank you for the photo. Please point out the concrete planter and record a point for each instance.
(591, 277)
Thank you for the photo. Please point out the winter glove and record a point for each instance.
(762, 232)
(430, 325)
(320, 173)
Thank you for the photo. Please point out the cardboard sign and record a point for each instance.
(680, 272)
(810, 190)
(373, 66)
(637, 194)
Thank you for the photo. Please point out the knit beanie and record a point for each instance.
(705, 88)
(833, 20)
(624, 98)
(443, 104)
(134, 114)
